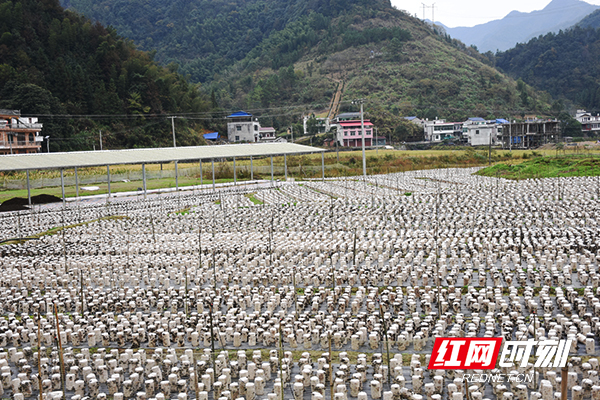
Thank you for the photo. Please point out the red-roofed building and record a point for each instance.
(350, 133)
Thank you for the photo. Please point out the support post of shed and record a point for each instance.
(144, 179)
(285, 165)
(251, 170)
(28, 189)
(323, 166)
(176, 177)
(108, 180)
(200, 172)
(213, 173)
(76, 184)
(234, 173)
(271, 170)
(62, 186)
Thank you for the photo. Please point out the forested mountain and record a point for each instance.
(261, 55)
(566, 65)
(205, 36)
(55, 62)
(519, 27)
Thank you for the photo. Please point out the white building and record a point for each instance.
(589, 123)
(241, 127)
(439, 130)
(479, 132)
(267, 134)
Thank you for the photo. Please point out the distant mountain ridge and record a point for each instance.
(590, 21)
(519, 27)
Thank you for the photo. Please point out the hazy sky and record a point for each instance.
(453, 13)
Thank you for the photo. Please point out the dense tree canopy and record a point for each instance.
(206, 36)
(54, 62)
(565, 65)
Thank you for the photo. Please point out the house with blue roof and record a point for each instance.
(242, 127)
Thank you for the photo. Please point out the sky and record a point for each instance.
(453, 13)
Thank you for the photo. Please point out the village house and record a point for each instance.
(349, 133)
(439, 130)
(19, 135)
(266, 134)
(242, 127)
(589, 123)
(479, 132)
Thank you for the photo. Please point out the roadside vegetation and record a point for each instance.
(546, 167)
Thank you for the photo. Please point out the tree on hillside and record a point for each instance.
(394, 50)
(407, 132)
(569, 126)
(312, 126)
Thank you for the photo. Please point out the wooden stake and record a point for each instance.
(564, 373)
(60, 353)
(280, 357)
(330, 369)
(39, 335)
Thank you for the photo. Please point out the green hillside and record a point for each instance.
(566, 65)
(263, 54)
(205, 36)
(55, 63)
(420, 73)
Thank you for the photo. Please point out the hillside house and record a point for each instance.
(19, 135)
(266, 134)
(242, 127)
(479, 132)
(349, 133)
(589, 123)
(415, 120)
(440, 130)
(349, 116)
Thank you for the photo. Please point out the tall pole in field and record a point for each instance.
(173, 129)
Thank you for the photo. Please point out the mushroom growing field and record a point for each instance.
(321, 289)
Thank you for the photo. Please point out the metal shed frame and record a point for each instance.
(82, 159)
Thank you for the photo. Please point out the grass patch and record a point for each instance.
(115, 187)
(57, 229)
(253, 198)
(545, 167)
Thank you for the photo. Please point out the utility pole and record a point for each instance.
(173, 128)
(100, 140)
(490, 150)
(362, 129)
